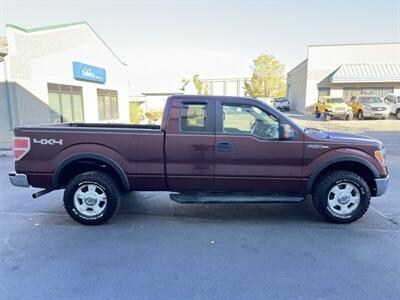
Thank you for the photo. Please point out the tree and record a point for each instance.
(202, 87)
(136, 112)
(154, 115)
(268, 80)
(184, 82)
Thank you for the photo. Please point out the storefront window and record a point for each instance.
(356, 91)
(324, 92)
(65, 103)
(107, 102)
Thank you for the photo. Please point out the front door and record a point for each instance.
(190, 137)
(249, 156)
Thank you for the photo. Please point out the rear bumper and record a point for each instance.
(381, 185)
(18, 179)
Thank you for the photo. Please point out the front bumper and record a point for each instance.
(339, 113)
(18, 179)
(376, 114)
(381, 185)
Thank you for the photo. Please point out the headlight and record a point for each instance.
(380, 156)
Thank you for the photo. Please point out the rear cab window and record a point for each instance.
(196, 117)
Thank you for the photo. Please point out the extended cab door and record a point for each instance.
(249, 156)
(189, 145)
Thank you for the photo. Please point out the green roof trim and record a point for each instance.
(36, 29)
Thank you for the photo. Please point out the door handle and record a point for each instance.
(224, 146)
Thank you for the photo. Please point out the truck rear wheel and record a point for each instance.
(341, 196)
(91, 198)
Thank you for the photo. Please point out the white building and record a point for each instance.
(63, 73)
(344, 71)
(219, 86)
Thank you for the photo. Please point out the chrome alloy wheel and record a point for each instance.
(90, 199)
(343, 198)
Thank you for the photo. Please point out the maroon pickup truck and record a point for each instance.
(207, 149)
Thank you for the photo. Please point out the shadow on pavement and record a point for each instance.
(140, 203)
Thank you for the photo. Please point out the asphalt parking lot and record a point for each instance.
(158, 249)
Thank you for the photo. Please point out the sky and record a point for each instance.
(165, 41)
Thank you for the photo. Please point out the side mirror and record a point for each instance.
(286, 132)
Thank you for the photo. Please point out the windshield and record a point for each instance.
(372, 99)
(334, 100)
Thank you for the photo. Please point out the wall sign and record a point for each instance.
(88, 72)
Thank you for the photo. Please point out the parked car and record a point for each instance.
(282, 104)
(330, 106)
(208, 149)
(369, 106)
(394, 104)
(267, 100)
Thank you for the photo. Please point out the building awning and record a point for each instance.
(368, 73)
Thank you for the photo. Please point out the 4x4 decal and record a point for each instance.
(48, 141)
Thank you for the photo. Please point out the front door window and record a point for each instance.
(249, 120)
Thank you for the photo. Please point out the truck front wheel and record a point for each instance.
(341, 196)
(91, 198)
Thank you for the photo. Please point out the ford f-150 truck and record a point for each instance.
(207, 149)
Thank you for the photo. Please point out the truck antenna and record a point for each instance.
(328, 116)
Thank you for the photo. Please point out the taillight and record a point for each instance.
(21, 147)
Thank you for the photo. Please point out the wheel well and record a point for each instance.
(80, 166)
(356, 167)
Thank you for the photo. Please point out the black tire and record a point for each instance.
(349, 117)
(106, 184)
(338, 177)
(360, 115)
(317, 113)
(398, 114)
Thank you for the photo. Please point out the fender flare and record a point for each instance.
(347, 158)
(75, 157)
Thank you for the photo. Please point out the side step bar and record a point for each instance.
(236, 198)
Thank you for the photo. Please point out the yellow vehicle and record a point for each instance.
(330, 106)
(369, 106)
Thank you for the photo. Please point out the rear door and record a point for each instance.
(190, 138)
(249, 156)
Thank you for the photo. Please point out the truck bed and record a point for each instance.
(137, 149)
